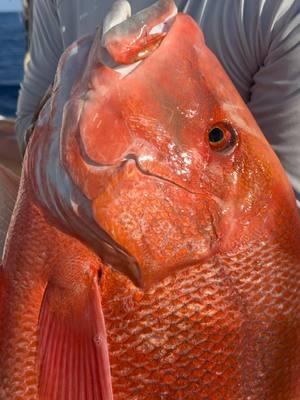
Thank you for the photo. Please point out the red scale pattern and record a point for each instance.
(222, 330)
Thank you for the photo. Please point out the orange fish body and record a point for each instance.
(154, 251)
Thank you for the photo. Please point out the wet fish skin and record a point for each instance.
(205, 304)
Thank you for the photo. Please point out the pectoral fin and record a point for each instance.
(73, 354)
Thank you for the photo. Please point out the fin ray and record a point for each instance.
(73, 363)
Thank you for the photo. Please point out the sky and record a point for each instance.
(10, 5)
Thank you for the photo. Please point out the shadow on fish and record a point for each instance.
(154, 249)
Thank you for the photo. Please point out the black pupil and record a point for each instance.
(216, 135)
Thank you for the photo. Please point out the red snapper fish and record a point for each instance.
(154, 249)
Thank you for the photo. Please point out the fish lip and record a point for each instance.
(203, 193)
(130, 157)
(133, 158)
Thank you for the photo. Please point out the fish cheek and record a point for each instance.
(164, 227)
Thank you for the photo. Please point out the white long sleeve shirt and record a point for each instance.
(257, 41)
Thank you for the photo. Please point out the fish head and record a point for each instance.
(173, 163)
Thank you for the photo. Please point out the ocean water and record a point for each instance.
(12, 52)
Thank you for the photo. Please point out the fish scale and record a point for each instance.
(184, 325)
(172, 327)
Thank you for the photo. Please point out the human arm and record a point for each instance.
(275, 94)
(45, 51)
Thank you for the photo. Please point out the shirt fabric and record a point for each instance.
(256, 41)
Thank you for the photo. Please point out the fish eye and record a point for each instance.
(222, 137)
(216, 135)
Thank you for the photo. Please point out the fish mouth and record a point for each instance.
(163, 226)
(148, 165)
(146, 172)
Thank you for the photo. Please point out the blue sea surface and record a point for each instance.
(12, 52)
